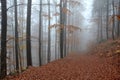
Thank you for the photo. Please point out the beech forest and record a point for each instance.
(59, 39)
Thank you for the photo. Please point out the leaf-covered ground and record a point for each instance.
(102, 64)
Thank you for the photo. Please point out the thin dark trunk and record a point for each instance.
(3, 71)
(98, 34)
(61, 31)
(113, 28)
(16, 37)
(68, 19)
(107, 17)
(56, 54)
(71, 41)
(101, 29)
(49, 34)
(28, 34)
(118, 24)
(65, 20)
(40, 30)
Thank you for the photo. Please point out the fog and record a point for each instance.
(62, 33)
(76, 41)
(81, 17)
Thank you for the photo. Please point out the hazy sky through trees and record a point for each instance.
(85, 13)
(87, 34)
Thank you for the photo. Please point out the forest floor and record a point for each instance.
(102, 63)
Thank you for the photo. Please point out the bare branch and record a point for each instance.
(26, 4)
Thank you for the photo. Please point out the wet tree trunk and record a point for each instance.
(28, 34)
(16, 37)
(49, 34)
(61, 30)
(3, 71)
(40, 30)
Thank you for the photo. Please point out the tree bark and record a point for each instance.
(49, 34)
(65, 20)
(113, 28)
(3, 71)
(61, 30)
(40, 30)
(101, 29)
(28, 34)
(118, 23)
(107, 19)
(16, 37)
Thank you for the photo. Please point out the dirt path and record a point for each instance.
(74, 67)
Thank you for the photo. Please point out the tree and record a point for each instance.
(107, 18)
(65, 16)
(28, 34)
(61, 29)
(101, 24)
(49, 34)
(16, 37)
(113, 28)
(109, 7)
(118, 23)
(40, 30)
(3, 72)
(56, 15)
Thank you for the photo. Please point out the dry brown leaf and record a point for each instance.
(118, 17)
(66, 11)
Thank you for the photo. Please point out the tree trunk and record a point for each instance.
(16, 37)
(40, 30)
(3, 71)
(28, 34)
(49, 34)
(118, 23)
(107, 19)
(101, 29)
(98, 29)
(113, 28)
(65, 14)
(61, 30)
(56, 47)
